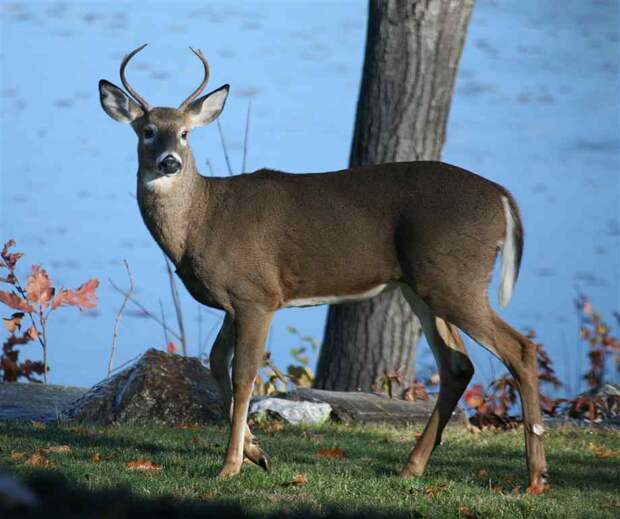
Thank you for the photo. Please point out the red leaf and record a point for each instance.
(39, 287)
(12, 300)
(83, 297)
(474, 397)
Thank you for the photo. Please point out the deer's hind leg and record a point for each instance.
(220, 361)
(519, 356)
(455, 372)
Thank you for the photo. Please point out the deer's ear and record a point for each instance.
(206, 108)
(117, 104)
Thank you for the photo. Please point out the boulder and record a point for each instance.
(159, 387)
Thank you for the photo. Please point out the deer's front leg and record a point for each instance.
(251, 326)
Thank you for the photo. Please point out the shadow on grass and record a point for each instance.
(57, 498)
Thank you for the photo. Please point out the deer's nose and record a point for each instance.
(169, 164)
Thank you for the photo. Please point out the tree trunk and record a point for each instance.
(412, 53)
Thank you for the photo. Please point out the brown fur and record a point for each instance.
(248, 244)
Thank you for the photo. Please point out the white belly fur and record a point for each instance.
(333, 300)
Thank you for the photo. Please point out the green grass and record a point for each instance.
(481, 474)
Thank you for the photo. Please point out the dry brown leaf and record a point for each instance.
(85, 296)
(298, 481)
(39, 286)
(39, 460)
(335, 454)
(17, 456)
(32, 332)
(98, 458)
(15, 302)
(143, 464)
(13, 323)
(56, 449)
(434, 490)
(601, 452)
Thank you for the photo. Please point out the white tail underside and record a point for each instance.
(509, 257)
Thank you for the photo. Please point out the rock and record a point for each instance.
(358, 407)
(36, 402)
(293, 412)
(159, 388)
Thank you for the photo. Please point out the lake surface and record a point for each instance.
(535, 109)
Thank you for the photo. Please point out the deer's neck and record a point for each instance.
(166, 203)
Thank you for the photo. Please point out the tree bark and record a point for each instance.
(412, 53)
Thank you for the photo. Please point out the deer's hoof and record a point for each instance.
(411, 471)
(228, 472)
(256, 455)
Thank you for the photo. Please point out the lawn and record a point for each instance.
(320, 470)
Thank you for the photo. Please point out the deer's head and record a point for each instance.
(163, 148)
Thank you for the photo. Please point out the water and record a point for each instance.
(535, 109)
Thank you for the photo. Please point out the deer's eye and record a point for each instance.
(184, 134)
(148, 133)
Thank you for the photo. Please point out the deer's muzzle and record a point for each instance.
(169, 164)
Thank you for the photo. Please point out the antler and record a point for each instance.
(202, 85)
(145, 106)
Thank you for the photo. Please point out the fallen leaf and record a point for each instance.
(16, 456)
(298, 481)
(434, 490)
(601, 452)
(13, 323)
(56, 449)
(467, 513)
(39, 286)
(336, 454)
(98, 458)
(143, 464)
(39, 460)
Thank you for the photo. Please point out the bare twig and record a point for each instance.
(146, 312)
(177, 306)
(210, 166)
(245, 136)
(119, 316)
(224, 148)
(163, 320)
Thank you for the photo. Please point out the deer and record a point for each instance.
(252, 244)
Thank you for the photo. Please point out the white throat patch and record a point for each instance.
(157, 181)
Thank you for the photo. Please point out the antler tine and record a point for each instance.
(126, 84)
(202, 85)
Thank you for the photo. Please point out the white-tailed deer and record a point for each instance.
(252, 244)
